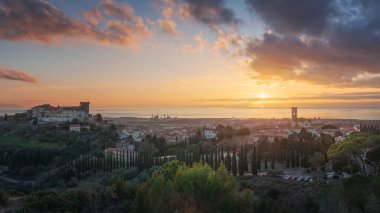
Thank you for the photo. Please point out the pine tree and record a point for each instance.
(234, 169)
(272, 163)
(253, 161)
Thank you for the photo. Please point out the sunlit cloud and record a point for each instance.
(319, 42)
(17, 75)
(93, 17)
(118, 10)
(24, 21)
(200, 45)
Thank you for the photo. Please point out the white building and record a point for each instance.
(48, 113)
(209, 134)
(78, 127)
(313, 131)
(75, 127)
(137, 136)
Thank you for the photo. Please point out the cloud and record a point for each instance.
(293, 15)
(184, 11)
(327, 96)
(211, 12)
(168, 26)
(324, 42)
(93, 17)
(167, 13)
(123, 11)
(200, 44)
(37, 20)
(16, 75)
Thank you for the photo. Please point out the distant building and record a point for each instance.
(209, 134)
(78, 127)
(75, 127)
(306, 123)
(313, 131)
(48, 113)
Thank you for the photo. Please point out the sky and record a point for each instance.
(190, 53)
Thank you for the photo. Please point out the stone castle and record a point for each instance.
(48, 113)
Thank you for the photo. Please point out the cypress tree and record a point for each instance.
(127, 159)
(245, 158)
(234, 169)
(123, 159)
(259, 158)
(228, 161)
(253, 161)
(217, 160)
(265, 163)
(221, 154)
(287, 160)
(241, 162)
(292, 160)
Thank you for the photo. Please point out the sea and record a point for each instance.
(223, 112)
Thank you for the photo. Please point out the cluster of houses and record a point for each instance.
(176, 134)
(179, 135)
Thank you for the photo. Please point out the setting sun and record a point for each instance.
(262, 95)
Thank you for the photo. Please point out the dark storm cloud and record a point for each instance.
(37, 20)
(16, 75)
(294, 15)
(323, 42)
(211, 12)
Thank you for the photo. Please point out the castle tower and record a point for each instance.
(294, 117)
(85, 106)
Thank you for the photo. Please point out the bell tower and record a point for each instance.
(294, 117)
(85, 106)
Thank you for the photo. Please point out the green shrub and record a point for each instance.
(119, 190)
(180, 188)
(4, 199)
(356, 191)
(49, 202)
(82, 198)
(131, 173)
(28, 171)
(375, 185)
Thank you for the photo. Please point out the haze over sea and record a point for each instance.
(220, 112)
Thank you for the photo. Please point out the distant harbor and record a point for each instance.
(220, 112)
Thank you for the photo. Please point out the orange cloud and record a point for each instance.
(124, 11)
(200, 44)
(21, 20)
(167, 13)
(168, 26)
(93, 17)
(16, 75)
